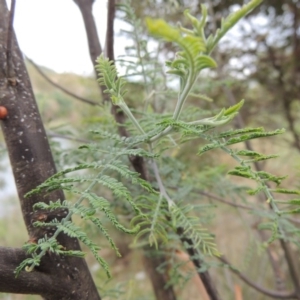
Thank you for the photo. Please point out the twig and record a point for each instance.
(209, 195)
(91, 102)
(161, 186)
(191, 249)
(194, 256)
(259, 288)
(292, 265)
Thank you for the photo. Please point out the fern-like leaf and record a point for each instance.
(70, 229)
(193, 230)
(108, 77)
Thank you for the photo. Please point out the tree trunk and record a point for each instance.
(31, 159)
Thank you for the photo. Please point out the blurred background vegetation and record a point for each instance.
(258, 61)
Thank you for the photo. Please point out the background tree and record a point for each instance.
(149, 88)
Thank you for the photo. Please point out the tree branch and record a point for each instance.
(37, 68)
(194, 256)
(110, 30)
(95, 49)
(212, 196)
(38, 283)
(270, 293)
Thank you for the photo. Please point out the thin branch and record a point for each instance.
(259, 288)
(194, 256)
(191, 249)
(85, 8)
(94, 45)
(91, 102)
(160, 184)
(9, 68)
(65, 137)
(292, 264)
(109, 47)
(210, 195)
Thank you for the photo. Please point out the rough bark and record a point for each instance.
(32, 163)
(26, 282)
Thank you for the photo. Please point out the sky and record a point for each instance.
(51, 33)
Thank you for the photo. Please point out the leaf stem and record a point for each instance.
(129, 114)
(184, 94)
(266, 189)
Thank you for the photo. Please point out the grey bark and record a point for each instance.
(32, 163)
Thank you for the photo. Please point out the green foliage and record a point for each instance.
(164, 205)
(229, 22)
(192, 228)
(95, 203)
(109, 78)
